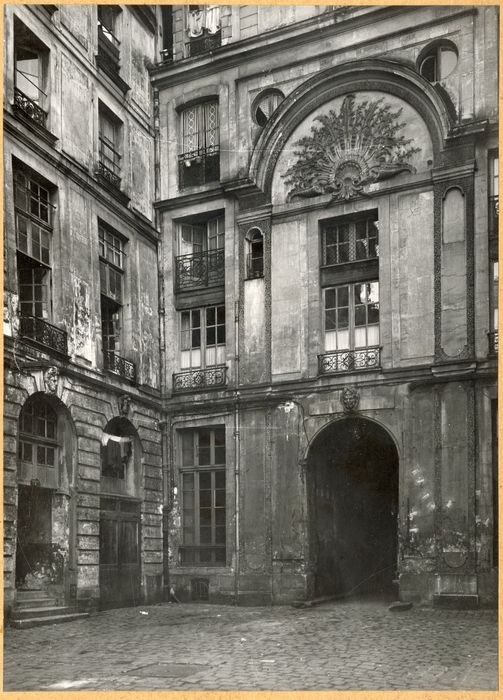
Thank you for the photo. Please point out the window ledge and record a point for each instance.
(41, 131)
(105, 65)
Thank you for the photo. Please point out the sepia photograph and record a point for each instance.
(250, 348)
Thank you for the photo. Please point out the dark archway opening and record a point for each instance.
(353, 494)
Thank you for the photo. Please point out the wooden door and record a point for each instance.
(119, 553)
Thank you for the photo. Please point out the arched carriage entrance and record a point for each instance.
(353, 498)
(120, 506)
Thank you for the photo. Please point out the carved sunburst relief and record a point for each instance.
(358, 145)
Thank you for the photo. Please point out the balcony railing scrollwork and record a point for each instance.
(119, 365)
(202, 44)
(493, 342)
(45, 333)
(28, 107)
(109, 175)
(200, 379)
(198, 270)
(349, 360)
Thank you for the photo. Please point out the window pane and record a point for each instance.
(188, 455)
(205, 509)
(205, 535)
(330, 299)
(205, 480)
(210, 316)
(360, 316)
(330, 320)
(342, 318)
(342, 296)
(220, 480)
(220, 535)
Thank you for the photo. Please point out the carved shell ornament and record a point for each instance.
(359, 145)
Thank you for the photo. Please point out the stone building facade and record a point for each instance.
(82, 466)
(272, 309)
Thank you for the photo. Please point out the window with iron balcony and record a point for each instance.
(202, 350)
(199, 162)
(110, 137)
(31, 60)
(202, 475)
(203, 29)
(349, 277)
(34, 230)
(112, 258)
(108, 42)
(200, 262)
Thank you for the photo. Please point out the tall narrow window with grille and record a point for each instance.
(31, 61)
(202, 474)
(34, 230)
(200, 261)
(112, 263)
(349, 277)
(493, 221)
(110, 136)
(199, 161)
(108, 41)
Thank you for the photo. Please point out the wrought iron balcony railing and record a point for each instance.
(199, 166)
(198, 270)
(199, 379)
(109, 175)
(118, 365)
(202, 44)
(349, 360)
(493, 342)
(28, 107)
(45, 333)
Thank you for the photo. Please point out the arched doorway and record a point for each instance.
(353, 498)
(120, 514)
(46, 529)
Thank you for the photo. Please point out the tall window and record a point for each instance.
(350, 240)
(200, 237)
(34, 240)
(110, 134)
(111, 250)
(352, 316)
(31, 59)
(202, 474)
(199, 161)
(200, 260)
(38, 434)
(202, 337)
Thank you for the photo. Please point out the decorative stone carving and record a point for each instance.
(350, 399)
(124, 404)
(359, 145)
(51, 376)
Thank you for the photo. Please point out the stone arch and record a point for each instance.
(379, 75)
(352, 485)
(121, 427)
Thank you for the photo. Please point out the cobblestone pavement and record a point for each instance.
(353, 644)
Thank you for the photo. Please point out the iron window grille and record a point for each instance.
(199, 161)
(202, 474)
(119, 365)
(346, 241)
(38, 443)
(43, 332)
(351, 326)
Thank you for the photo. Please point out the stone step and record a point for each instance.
(46, 611)
(28, 594)
(35, 603)
(50, 620)
(456, 601)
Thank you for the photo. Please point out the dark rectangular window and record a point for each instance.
(345, 241)
(110, 155)
(203, 496)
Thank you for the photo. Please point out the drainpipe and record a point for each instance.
(237, 453)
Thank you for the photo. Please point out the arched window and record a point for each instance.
(255, 254)
(265, 104)
(438, 61)
(38, 434)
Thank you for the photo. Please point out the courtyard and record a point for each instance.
(340, 645)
